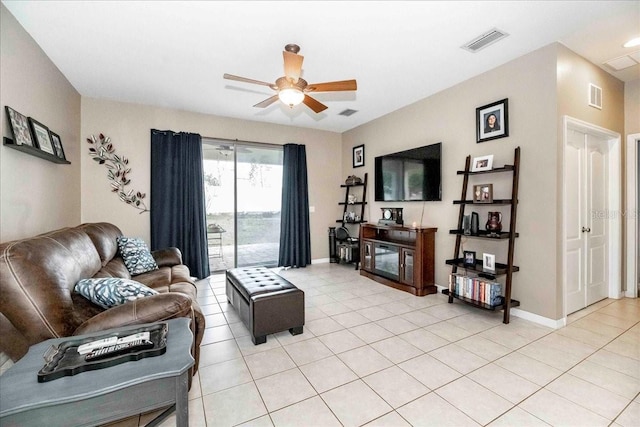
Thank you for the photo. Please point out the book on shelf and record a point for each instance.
(476, 288)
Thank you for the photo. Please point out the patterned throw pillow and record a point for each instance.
(136, 255)
(108, 292)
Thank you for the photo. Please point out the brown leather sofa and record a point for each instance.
(38, 275)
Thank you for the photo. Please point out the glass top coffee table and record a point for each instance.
(104, 395)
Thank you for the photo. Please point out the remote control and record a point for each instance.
(117, 349)
(134, 337)
(105, 342)
(90, 346)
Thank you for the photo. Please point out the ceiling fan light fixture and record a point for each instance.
(291, 96)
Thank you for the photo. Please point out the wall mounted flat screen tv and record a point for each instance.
(409, 175)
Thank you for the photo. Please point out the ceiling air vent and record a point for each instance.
(595, 96)
(347, 112)
(484, 40)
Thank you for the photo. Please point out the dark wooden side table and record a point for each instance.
(104, 395)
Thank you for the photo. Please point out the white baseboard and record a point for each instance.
(320, 261)
(541, 320)
(544, 321)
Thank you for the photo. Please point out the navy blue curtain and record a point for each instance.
(178, 217)
(295, 240)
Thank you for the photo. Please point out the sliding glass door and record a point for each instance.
(243, 188)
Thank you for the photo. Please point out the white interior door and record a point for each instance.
(598, 214)
(574, 221)
(586, 213)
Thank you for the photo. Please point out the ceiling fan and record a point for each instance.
(291, 88)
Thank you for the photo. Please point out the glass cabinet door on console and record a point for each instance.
(406, 266)
(386, 262)
(367, 258)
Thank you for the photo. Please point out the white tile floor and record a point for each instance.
(372, 355)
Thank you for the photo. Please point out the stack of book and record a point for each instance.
(476, 288)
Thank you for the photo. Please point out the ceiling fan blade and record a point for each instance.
(246, 80)
(332, 86)
(267, 102)
(313, 104)
(292, 65)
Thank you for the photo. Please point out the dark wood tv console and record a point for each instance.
(400, 257)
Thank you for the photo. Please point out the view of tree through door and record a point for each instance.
(243, 190)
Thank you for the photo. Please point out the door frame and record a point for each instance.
(632, 216)
(614, 197)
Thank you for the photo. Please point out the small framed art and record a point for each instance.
(488, 262)
(19, 127)
(492, 121)
(358, 156)
(484, 163)
(57, 144)
(469, 258)
(41, 134)
(483, 193)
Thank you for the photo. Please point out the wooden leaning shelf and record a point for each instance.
(510, 235)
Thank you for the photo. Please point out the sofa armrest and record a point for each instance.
(154, 308)
(167, 257)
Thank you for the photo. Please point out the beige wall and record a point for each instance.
(36, 195)
(574, 75)
(129, 127)
(535, 109)
(632, 107)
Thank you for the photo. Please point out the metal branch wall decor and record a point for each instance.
(103, 152)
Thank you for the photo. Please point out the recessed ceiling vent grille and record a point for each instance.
(347, 112)
(486, 39)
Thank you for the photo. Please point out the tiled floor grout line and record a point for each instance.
(368, 344)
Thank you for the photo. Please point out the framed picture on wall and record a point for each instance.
(41, 134)
(19, 127)
(358, 156)
(57, 144)
(492, 121)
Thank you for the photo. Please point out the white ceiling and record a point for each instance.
(173, 54)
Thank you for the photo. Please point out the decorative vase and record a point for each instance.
(494, 222)
(475, 223)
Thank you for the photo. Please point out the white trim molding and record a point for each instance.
(614, 205)
(632, 216)
(540, 320)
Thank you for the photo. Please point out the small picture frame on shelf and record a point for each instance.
(57, 145)
(358, 156)
(483, 193)
(19, 127)
(492, 121)
(488, 262)
(469, 258)
(483, 163)
(41, 134)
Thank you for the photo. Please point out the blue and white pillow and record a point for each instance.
(108, 292)
(136, 255)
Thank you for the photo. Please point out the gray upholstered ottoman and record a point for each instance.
(266, 302)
